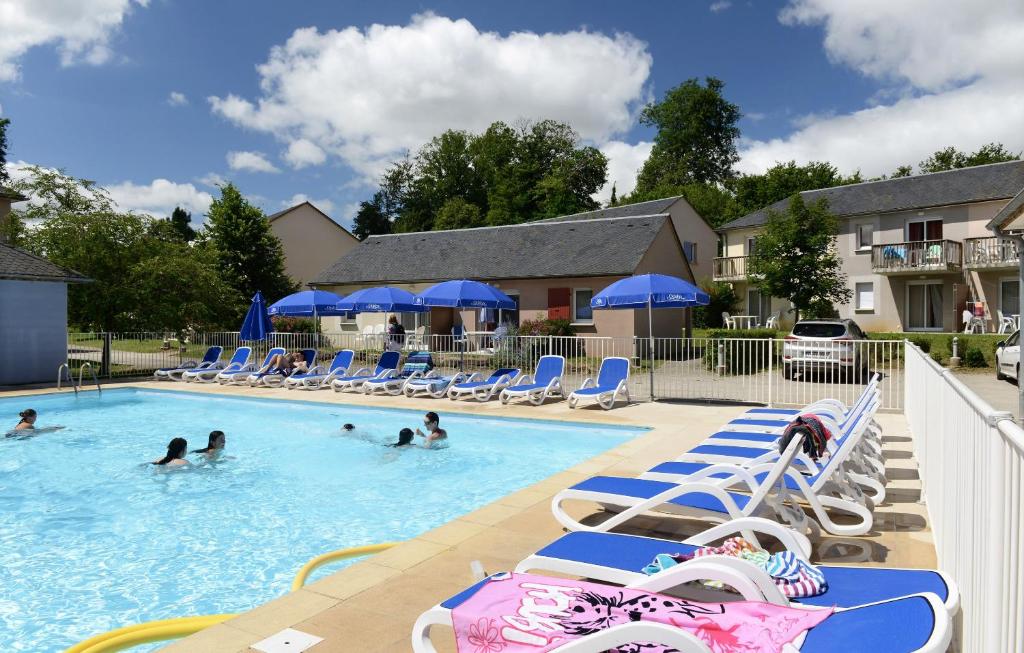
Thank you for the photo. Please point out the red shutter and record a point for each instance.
(558, 303)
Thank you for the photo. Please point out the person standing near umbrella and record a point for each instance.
(396, 334)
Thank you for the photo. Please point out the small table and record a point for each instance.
(744, 321)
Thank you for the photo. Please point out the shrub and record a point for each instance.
(546, 327)
(564, 344)
(973, 357)
(294, 324)
(739, 357)
(723, 299)
(923, 343)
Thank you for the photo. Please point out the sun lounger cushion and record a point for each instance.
(894, 626)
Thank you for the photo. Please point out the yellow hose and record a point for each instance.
(156, 631)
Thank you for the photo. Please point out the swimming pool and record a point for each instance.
(91, 539)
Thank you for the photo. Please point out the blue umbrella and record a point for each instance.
(384, 299)
(463, 293)
(257, 324)
(650, 291)
(307, 303)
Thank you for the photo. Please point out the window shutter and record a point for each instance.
(558, 303)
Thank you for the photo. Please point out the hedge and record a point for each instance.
(740, 359)
(940, 346)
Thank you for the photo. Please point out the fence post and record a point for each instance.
(105, 367)
(721, 357)
(770, 342)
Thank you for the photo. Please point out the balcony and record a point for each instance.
(916, 257)
(989, 253)
(731, 268)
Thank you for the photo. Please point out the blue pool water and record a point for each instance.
(90, 539)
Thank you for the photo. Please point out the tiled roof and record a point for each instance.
(1009, 212)
(18, 264)
(978, 184)
(543, 249)
(653, 207)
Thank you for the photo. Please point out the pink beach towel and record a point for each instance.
(524, 613)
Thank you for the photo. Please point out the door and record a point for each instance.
(759, 305)
(1009, 297)
(924, 306)
(924, 230)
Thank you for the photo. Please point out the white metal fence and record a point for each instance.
(970, 458)
(763, 371)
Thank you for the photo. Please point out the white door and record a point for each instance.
(924, 306)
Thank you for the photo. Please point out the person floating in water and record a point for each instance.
(28, 423)
(175, 454)
(404, 438)
(435, 435)
(214, 446)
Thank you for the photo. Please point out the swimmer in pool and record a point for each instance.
(214, 446)
(175, 454)
(404, 439)
(435, 434)
(27, 425)
(348, 427)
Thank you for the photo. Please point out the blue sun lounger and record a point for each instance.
(209, 374)
(483, 389)
(241, 375)
(910, 624)
(545, 382)
(387, 363)
(612, 381)
(418, 364)
(319, 376)
(619, 558)
(210, 358)
(275, 377)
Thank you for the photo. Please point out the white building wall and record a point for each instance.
(33, 330)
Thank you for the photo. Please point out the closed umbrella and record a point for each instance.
(650, 291)
(256, 325)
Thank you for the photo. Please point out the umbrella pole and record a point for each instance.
(650, 335)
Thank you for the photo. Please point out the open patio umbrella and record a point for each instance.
(383, 299)
(307, 303)
(650, 291)
(256, 324)
(464, 293)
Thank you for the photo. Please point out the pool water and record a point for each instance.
(91, 538)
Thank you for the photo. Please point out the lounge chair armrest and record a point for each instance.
(748, 579)
(587, 382)
(526, 379)
(190, 364)
(736, 474)
(789, 538)
(362, 371)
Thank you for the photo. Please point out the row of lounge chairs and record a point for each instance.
(739, 481)
(416, 377)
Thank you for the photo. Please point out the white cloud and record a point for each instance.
(177, 99)
(212, 179)
(250, 162)
(324, 205)
(80, 30)
(365, 96)
(159, 197)
(720, 5)
(302, 153)
(958, 76)
(624, 162)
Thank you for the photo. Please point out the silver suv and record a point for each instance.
(826, 345)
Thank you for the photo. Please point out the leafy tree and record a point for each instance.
(247, 251)
(782, 180)
(457, 213)
(613, 200)
(370, 219)
(723, 299)
(951, 158)
(180, 220)
(902, 171)
(714, 203)
(796, 257)
(4, 178)
(696, 139)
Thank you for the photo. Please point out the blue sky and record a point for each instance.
(89, 86)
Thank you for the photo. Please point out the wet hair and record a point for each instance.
(348, 427)
(26, 414)
(211, 444)
(433, 417)
(175, 449)
(404, 438)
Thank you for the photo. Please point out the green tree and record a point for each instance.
(713, 203)
(4, 177)
(181, 221)
(696, 138)
(613, 200)
(951, 158)
(782, 180)
(248, 253)
(902, 171)
(370, 219)
(457, 213)
(796, 258)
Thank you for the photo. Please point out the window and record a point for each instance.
(581, 311)
(864, 294)
(865, 232)
(751, 244)
(1009, 297)
(690, 251)
(919, 230)
(924, 306)
(511, 316)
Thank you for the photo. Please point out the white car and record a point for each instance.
(1008, 357)
(837, 347)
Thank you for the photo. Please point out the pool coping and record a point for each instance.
(370, 606)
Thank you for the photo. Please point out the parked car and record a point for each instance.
(1008, 357)
(826, 345)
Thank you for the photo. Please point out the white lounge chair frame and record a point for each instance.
(424, 386)
(483, 392)
(315, 383)
(211, 373)
(605, 400)
(536, 396)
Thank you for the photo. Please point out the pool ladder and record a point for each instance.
(71, 381)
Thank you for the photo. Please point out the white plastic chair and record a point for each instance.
(1006, 323)
(727, 321)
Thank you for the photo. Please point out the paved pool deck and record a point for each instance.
(371, 606)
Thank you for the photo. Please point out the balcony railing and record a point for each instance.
(731, 268)
(917, 256)
(990, 252)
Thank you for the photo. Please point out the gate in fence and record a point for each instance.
(762, 371)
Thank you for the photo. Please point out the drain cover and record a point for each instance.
(288, 640)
